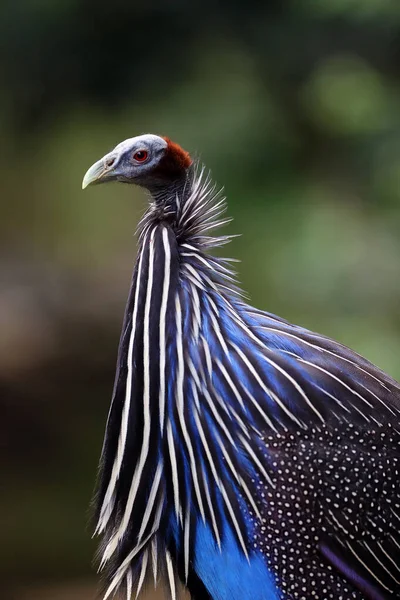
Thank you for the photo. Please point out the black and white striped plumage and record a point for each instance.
(244, 456)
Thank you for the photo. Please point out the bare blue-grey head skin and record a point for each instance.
(148, 160)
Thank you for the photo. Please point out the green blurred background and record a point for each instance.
(294, 105)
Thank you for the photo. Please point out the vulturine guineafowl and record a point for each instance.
(245, 457)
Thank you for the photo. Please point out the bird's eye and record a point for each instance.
(141, 155)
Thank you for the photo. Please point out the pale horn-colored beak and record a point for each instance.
(101, 171)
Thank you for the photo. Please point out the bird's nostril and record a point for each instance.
(110, 161)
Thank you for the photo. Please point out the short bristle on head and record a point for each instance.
(175, 160)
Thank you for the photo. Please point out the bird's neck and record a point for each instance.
(166, 193)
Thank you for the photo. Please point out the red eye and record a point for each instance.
(141, 155)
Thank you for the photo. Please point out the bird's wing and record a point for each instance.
(330, 511)
(362, 517)
(355, 449)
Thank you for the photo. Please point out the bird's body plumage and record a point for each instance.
(244, 456)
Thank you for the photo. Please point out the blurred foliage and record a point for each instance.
(294, 106)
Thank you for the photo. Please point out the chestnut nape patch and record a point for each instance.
(176, 158)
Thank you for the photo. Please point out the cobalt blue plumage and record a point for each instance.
(244, 457)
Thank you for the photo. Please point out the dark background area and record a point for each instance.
(294, 105)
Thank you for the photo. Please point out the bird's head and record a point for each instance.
(147, 160)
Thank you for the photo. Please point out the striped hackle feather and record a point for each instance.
(236, 443)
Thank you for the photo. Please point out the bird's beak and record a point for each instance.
(101, 171)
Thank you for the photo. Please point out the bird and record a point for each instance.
(244, 457)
